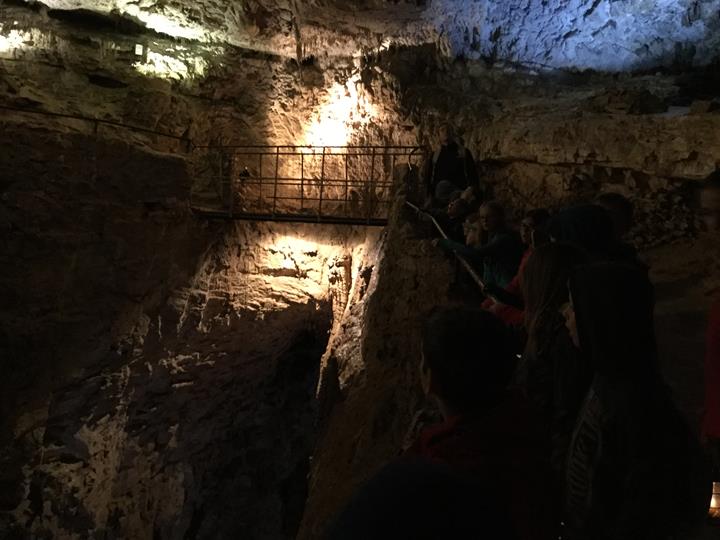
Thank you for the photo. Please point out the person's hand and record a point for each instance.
(490, 290)
(424, 217)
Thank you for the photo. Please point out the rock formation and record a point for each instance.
(166, 376)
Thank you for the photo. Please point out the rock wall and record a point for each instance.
(370, 391)
(578, 34)
(539, 141)
(160, 370)
(584, 34)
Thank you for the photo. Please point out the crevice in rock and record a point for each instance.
(96, 21)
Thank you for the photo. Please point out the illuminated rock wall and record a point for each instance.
(584, 34)
(581, 34)
(164, 367)
(160, 371)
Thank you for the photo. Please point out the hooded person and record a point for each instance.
(490, 432)
(593, 228)
(634, 469)
(588, 227)
(552, 373)
(452, 162)
(507, 303)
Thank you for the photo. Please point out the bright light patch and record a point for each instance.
(169, 67)
(288, 263)
(12, 41)
(169, 23)
(715, 499)
(138, 49)
(342, 112)
(295, 245)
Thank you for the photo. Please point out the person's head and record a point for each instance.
(446, 133)
(467, 358)
(444, 191)
(620, 209)
(588, 227)
(532, 221)
(472, 229)
(470, 195)
(491, 216)
(544, 284)
(457, 208)
(610, 318)
(710, 202)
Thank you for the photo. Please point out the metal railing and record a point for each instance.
(331, 184)
(324, 184)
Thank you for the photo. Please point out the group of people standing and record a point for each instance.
(556, 419)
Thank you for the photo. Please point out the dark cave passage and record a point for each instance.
(235, 430)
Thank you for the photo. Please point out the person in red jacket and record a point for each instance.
(507, 303)
(490, 433)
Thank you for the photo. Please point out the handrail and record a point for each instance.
(460, 258)
(97, 121)
(413, 147)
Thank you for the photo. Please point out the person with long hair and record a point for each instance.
(552, 372)
(498, 259)
(508, 303)
(634, 469)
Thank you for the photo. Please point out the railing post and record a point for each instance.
(277, 164)
(322, 179)
(388, 189)
(368, 199)
(302, 180)
(231, 183)
(347, 156)
(260, 179)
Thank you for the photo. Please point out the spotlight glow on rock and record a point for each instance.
(342, 112)
(164, 66)
(10, 42)
(169, 23)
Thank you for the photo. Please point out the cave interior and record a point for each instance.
(194, 345)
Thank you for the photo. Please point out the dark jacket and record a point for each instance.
(634, 469)
(454, 164)
(555, 377)
(497, 261)
(507, 450)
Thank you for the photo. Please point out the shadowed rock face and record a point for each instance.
(160, 371)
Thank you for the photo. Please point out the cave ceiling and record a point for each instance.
(604, 35)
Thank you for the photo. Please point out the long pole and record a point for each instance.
(460, 258)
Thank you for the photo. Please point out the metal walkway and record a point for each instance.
(318, 184)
